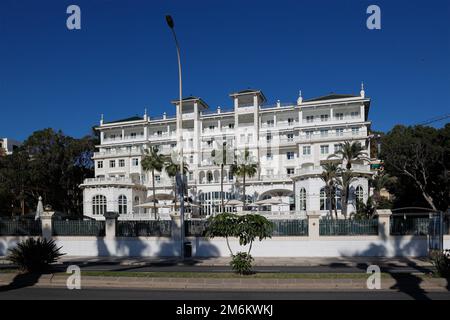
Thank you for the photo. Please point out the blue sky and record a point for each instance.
(123, 59)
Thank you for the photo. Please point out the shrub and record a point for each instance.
(35, 255)
(241, 262)
(441, 261)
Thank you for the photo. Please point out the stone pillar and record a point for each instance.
(176, 232)
(46, 223)
(384, 222)
(313, 224)
(110, 224)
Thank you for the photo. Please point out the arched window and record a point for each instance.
(324, 203)
(359, 192)
(302, 199)
(122, 204)
(99, 205)
(209, 176)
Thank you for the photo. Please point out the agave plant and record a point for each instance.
(35, 255)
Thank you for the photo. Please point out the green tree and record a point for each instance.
(172, 169)
(153, 161)
(247, 228)
(344, 180)
(379, 182)
(244, 167)
(329, 176)
(350, 152)
(220, 158)
(419, 158)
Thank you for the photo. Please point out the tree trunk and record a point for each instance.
(154, 192)
(221, 189)
(243, 191)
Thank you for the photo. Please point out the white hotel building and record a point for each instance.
(290, 140)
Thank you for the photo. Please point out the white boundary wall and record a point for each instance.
(276, 247)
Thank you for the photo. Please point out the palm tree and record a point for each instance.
(379, 182)
(220, 158)
(172, 169)
(350, 152)
(329, 174)
(153, 161)
(244, 167)
(344, 180)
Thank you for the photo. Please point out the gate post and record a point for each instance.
(384, 223)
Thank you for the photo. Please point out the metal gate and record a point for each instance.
(422, 221)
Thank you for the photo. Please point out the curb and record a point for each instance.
(50, 281)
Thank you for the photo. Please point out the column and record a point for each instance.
(46, 223)
(384, 223)
(110, 224)
(313, 225)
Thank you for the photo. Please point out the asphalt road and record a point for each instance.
(131, 294)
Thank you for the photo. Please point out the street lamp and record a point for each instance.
(180, 181)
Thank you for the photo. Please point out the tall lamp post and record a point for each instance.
(180, 181)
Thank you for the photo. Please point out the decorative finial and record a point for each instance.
(362, 93)
(300, 98)
(101, 118)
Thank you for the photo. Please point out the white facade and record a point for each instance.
(9, 145)
(288, 141)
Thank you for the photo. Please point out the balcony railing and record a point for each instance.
(112, 180)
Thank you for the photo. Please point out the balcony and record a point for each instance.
(118, 153)
(332, 135)
(112, 181)
(164, 136)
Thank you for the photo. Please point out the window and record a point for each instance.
(339, 116)
(302, 199)
(269, 172)
(122, 204)
(159, 133)
(211, 127)
(354, 114)
(191, 176)
(324, 149)
(173, 145)
(290, 121)
(355, 131)
(269, 137)
(269, 156)
(324, 133)
(290, 171)
(121, 163)
(309, 134)
(270, 123)
(359, 192)
(209, 177)
(191, 159)
(112, 163)
(290, 155)
(290, 137)
(135, 162)
(307, 150)
(250, 138)
(230, 176)
(98, 205)
(99, 164)
(157, 178)
(309, 119)
(133, 135)
(339, 132)
(113, 137)
(231, 125)
(323, 117)
(325, 203)
(242, 137)
(337, 147)
(209, 143)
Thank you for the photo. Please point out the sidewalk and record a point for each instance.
(267, 262)
(12, 281)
